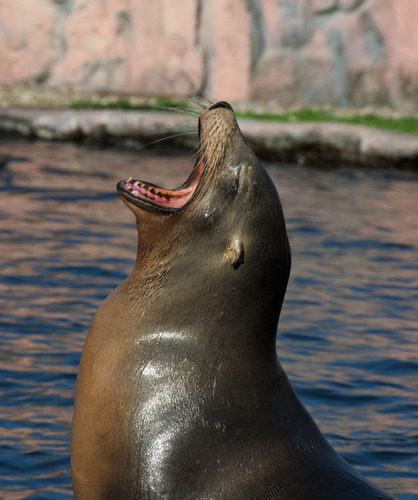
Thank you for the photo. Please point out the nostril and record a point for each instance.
(221, 104)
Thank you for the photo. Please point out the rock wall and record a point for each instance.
(338, 52)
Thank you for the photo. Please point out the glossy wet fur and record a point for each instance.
(180, 393)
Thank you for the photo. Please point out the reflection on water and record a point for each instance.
(347, 337)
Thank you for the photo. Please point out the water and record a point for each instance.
(348, 335)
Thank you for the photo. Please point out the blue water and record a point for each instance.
(348, 335)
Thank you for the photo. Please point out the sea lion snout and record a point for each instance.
(221, 104)
(221, 157)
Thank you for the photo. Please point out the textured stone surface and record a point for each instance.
(339, 52)
(324, 5)
(325, 144)
(349, 4)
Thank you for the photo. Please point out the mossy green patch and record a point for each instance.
(126, 104)
(407, 125)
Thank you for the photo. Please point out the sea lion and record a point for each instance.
(180, 393)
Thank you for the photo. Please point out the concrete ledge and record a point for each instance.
(324, 144)
(331, 144)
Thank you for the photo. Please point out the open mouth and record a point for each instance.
(139, 192)
(144, 194)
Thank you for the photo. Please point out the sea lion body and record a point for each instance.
(180, 393)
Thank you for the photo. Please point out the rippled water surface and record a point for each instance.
(348, 335)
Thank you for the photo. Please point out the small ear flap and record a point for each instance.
(235, 253)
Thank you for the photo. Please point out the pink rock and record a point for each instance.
(27, 49)
(340, 52)
(225, 38)
(133, 49)
(324, 5)
(274, 79)
(349, 4)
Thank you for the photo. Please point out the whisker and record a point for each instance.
(200, 101)
(166, 138)
(195, 153)
(196, 149)
(186, 111)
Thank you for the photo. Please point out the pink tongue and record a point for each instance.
(175, 199)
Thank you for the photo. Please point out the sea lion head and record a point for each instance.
(222, 233)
